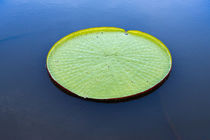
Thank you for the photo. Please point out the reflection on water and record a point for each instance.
(31, 107)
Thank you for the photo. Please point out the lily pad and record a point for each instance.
(108, 63)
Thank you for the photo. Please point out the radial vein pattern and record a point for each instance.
(106, 63)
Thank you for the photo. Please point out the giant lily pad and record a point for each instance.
(108, 63)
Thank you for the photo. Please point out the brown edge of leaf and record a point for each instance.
(112, 100)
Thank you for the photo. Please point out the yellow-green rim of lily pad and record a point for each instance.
(99, 68)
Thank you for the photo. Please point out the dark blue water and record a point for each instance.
(32, 108)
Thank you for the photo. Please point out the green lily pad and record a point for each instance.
(108, 63)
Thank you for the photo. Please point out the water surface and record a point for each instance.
(31, 107)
